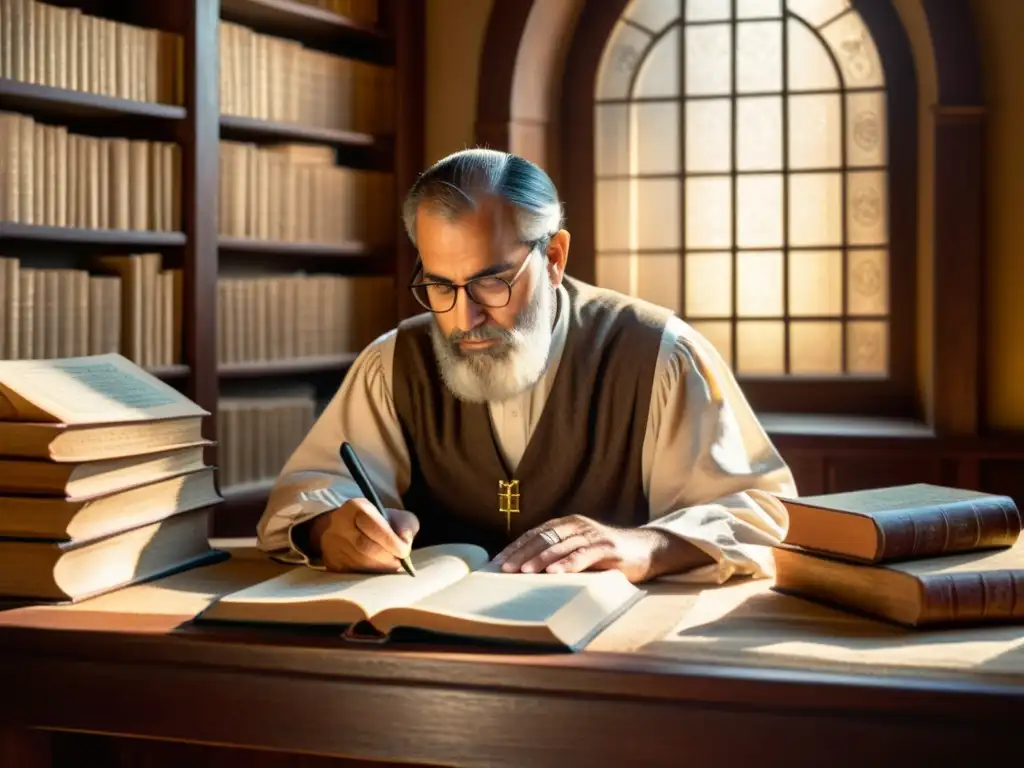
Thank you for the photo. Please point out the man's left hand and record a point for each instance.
(577, 543)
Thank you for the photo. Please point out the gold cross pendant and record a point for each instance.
(508, 501)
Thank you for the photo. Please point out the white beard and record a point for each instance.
(509, 367)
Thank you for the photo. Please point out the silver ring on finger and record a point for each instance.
(551, 537)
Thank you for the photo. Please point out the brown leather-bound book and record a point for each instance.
(966, 588)
(902, 522)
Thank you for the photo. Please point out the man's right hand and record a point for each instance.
(353, 537)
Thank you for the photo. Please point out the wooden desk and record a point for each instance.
(153, 675)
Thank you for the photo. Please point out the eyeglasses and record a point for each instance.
(487, 291)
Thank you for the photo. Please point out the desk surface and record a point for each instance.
(731, 674)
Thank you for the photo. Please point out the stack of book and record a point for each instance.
(103, 482)
(917, 555)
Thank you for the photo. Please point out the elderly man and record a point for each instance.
(561, 426)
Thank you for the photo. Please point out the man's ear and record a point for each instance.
(558, 254)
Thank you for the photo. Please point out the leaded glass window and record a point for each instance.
(742, 176)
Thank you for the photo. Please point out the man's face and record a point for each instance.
(478, 244)
(487, 352)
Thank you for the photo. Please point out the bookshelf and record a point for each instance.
(254, 258)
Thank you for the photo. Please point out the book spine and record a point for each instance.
(961, 526)
(962, 598)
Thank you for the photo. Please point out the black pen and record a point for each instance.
(348, 455)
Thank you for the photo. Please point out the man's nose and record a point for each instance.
(468, 314)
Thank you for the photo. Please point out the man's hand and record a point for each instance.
(355, 538)
(577, 543)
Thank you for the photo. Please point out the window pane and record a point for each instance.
(612, 211)
(708, 60)
(867, 222)
(708, 130)
(658, 279)
(868, 283)
(816, 348)
(719, 335)
(815, 132)
(620, 58)
(816, 283)
(810, 68)
(707, 10)
(613, 272)
(758, 9)
(759, 284)
(852, 44)
(817, 12)
(867, 347)
(708, 285)
(759, 211)
(815, 209)
(867, 128)
(611, 139)
(656, 137)
(657, 213)
(659, 73)
(653, 14)
(759, 133)
(709, 212)
(760, 347)
(759, 56)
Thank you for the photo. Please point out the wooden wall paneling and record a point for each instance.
(959, 188)
(851, 473)
(25, 748)
(808, 470)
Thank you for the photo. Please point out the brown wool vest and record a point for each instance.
(584, 456)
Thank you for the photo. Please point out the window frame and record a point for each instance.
(893, 395)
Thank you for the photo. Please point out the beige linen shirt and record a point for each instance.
(710, 472)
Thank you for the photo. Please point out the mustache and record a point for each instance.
(483, 333)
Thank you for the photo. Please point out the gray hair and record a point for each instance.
(452, 185)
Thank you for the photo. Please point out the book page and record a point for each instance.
(539, 607)
(89, 390)
(307, 595)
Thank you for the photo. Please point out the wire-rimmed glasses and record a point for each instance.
(488, 290)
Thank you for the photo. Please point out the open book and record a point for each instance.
(456, 592)
(90, 408)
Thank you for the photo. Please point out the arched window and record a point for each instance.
(748, 172)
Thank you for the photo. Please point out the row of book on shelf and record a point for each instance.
(289, 317)
(296, 193)
(288, 192)
(272, 78)
(52, 177)
(257, 433)
(261, 76)
(103, 483)
(68, 48)
(132, 304)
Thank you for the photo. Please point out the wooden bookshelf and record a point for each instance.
(312, 25)
(295, 367)
(190, 113)
(140, 239)
(285, 248)
(66, 103)
(248, 128)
